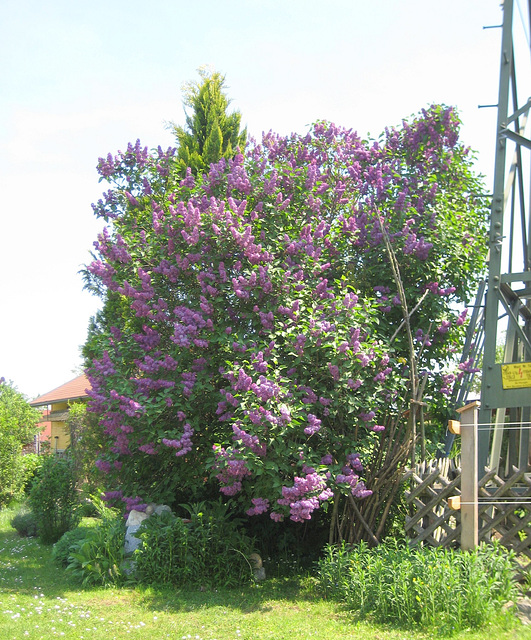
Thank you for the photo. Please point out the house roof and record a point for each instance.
(73, 390)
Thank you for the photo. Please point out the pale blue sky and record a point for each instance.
(81, 79)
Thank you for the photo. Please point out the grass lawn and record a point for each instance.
(39, 600)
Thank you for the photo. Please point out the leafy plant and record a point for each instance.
(427, 586)
(53, 498)
(18, 426)
(85, 447)
(97, 557)
(31, 463)
(67, 543)
(208, 551)
(25, 523)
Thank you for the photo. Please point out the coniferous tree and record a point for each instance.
(210, 133)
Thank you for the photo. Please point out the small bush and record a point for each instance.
(54, 500)
(25, 524)
(66, 544)
(96, 558)
(209, 551)
(428, 587)
(31, 463)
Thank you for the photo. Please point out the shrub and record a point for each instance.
(85, 447)
(54, 500)
(210, 550)
(25, 524)
(96, 558)
(31, 464)
(18, 426)
(66, 544)
(429, 587)
(257, 334)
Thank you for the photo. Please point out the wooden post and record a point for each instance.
(469, 476)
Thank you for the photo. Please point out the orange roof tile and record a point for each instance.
(72, 390)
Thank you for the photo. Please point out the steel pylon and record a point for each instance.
(506, 378)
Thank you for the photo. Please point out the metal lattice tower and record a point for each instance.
(506, 384)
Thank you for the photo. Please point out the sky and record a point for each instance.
(81, 79)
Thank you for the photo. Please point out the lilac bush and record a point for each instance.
(252, 336)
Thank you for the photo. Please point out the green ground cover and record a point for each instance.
(38, 600)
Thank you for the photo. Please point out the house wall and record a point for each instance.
(46, 426)
(59, 429)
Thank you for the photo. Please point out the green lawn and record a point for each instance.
(38, 600)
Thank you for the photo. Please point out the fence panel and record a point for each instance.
(504, 507)
(431, 520)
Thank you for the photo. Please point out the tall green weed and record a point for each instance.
(96, 558)
(427, 587)
(208, 551)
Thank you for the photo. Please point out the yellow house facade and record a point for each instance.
(55, 406)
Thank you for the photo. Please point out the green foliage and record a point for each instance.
(18, 426)
(31, 464)
(54, 499)
(66, 544)
(429, 587)
(209, 551)
(85, 447)
(211, 132)
(96, 558)
(41, 598)
(25, 524)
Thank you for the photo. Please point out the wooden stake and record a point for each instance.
(469, 476)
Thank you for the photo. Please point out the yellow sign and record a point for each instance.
(516, 376)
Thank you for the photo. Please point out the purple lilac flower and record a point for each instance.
(445, 326)
(334, 371)
(314, 425)
(461, 318)
(183, 444)
(103, 465)
(260, 505)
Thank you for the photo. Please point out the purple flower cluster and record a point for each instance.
(467, 367)
(305, 495)
(461, 318)
(182, 444)
(314, 425)
(232, 470)
(251, 442)
(260, 505)
(188, 379)
(448, 380)
(357, 487)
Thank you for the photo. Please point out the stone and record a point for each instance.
(259, 574)
(258, 569)
(255, 560)
(135, 518)
(131, 542)
(162, 508)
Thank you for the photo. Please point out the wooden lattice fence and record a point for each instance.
(504, 507)
(430, 518)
